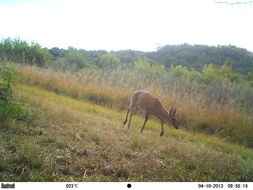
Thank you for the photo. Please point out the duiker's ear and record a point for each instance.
(175, 111)
(170, 112)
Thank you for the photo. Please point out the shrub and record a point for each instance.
(20, 51)
(9, 109)
(109, 61)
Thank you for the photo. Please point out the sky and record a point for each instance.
(127, 24)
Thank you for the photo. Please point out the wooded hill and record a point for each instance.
(195, 56)
(190, 56)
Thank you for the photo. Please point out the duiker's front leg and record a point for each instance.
(126, 117)
(162, 132)
(129, 120)
(145, 121)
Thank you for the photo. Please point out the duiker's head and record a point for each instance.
(173, 117)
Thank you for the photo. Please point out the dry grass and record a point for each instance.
(78, 141)
(71, 85)
(193, 112)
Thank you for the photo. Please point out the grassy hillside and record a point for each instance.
(196, 112)
(74, 140)
(63, 119)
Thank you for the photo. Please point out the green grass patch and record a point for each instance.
(137, 121)
(77, 141)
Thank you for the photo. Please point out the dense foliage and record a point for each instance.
(17, 50)
(190, 56)
(9, 108)
(197, 56)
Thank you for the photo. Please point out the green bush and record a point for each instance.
(109, 61)
(219, 74)
(76, 59)
(20, 51)
(10, 109)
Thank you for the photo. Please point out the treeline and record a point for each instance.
(223, 75)
(197, 56)
(190, 56)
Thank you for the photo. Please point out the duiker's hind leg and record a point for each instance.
(145, 121)
(129, 120)
(126, 117)
(162, 132)
(132, 111)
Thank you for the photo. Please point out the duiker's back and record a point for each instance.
(148, 102)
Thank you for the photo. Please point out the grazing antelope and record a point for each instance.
(150, 104)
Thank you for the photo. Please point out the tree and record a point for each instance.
(225, 72)
(182, 72)
(20, 51)
(37, 55)
(151, 70)
(109, 61)
(57, 52)
(76, 59)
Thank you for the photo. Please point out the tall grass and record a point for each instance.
(196, 111)
(79, 141)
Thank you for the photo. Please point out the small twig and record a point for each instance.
(234, 3)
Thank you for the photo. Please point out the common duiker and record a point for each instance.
(150, 104)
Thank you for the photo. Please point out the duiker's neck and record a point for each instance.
(163, 114)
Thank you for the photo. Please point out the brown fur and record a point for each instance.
(150, 104)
